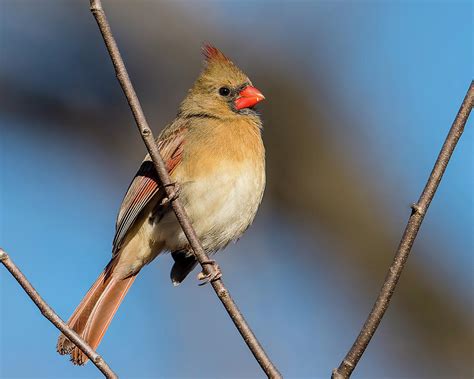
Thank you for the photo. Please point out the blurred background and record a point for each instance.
(360, 97)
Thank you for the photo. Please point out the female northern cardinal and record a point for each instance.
(214, 150)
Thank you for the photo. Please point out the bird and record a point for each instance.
(214, 152)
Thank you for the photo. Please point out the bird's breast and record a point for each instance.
(221, 202)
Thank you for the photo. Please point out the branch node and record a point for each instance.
(416, 209)
(3, 255)
(95, 6)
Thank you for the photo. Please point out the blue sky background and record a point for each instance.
(399, 69)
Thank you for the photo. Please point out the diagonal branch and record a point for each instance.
(147, 135)
(419, 209)
(49, 313)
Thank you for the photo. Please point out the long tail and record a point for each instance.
(95, 312)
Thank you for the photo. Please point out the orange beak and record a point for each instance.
(248, 97)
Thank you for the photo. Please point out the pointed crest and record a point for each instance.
(213, 54)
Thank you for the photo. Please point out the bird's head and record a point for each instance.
(222, 89)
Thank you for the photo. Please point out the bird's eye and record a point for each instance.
(224, 91)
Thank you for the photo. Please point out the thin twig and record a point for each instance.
(49, 313)
(147, 135)
(419, 209)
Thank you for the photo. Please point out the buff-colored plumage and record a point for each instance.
(214, 150)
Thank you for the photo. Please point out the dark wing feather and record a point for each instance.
(145, 185)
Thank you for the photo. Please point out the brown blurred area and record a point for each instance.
(312, 178)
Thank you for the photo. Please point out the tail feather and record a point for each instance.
(78, 319)
(95, 312)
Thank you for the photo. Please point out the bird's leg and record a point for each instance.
(176, 189)
(207, 278)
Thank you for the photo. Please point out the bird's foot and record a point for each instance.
(175, 191)
(208, 278)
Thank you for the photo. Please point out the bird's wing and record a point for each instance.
(146, 184)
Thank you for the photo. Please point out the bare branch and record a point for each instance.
(419, 209)
(149, 140)
(49, 313)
